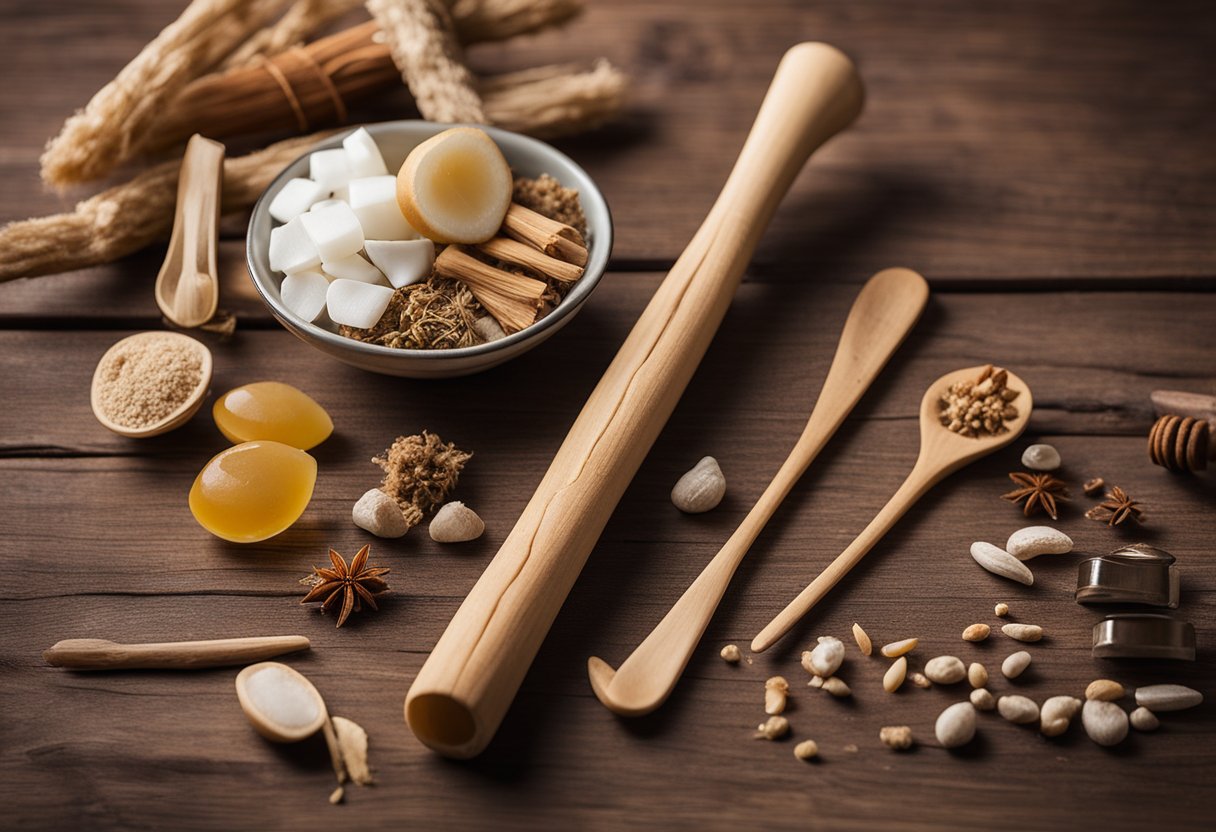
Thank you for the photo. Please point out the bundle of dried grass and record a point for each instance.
(299, 23)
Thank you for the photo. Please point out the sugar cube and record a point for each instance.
(356, 304)
(402, 261)
(353, 268)
(304, 294)
(294, 198)
(335, 231)
(291, 249)
(363, 154)
(327, 203)
(374, 200)
(330, 168)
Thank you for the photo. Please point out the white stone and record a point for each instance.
(1033, 541)
(331, 168)
(356, 304)
(363, 154)
(353, 267)
(402, 261)
(1041, 458)
(374, 200)
(1159, 698)
(335, 231)
(304, 294)
(379, 514)
(291, 249)
(294, 198)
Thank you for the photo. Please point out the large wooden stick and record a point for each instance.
(99, 654)
(465, 687)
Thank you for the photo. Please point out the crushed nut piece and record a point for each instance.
(1093, 486)
(806, 749)
(731, 653)
(1001, 610)
(976, 632)
(775, 691)
(982, 406)
(898, 737)
(773, 728)
(920, 680)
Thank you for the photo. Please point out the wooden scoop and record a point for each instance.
(181, 414)
(883, 314)
(188, 287)
(265, 722)
(942, 452)
(99, 654)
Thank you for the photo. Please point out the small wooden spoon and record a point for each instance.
(175, 419)
(188, 287)
(265, 723)
(942, 452)
(885, 311)
(100, 654)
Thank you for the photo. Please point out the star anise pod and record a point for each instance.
(1040, 491)
(1116, 508)
(353, 585)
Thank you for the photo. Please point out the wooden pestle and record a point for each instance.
(466, 685)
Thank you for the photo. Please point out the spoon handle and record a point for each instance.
(883, 314)
(923, 477)
(99, 654)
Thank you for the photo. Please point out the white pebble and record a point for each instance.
(1168, 697)
(374, 201)
(402, 261)
(455, 523)
(363, 155)
(304, 294)
(1105, 722)
(1143, 719)
(353, 267)
(1018, 709)
(294, 198)
(956, 725)
(1033, 541)
(356, 304)
(291, 249)
(1015, 664)
(1041, 458)
(331, 168)
(999, 562)
(379, 514)
(335, 231)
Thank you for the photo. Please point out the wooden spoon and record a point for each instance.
(266, 723)
(942, 452)
(885, 311)
(173, 420)
(100, 654)
(188, 288)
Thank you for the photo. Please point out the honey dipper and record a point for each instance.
(1180, 439)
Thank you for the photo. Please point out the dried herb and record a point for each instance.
(436, 315)
(353, 585)
(420, 472)
(1039, 491)
(1117, 508)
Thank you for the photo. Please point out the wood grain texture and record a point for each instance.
(1035, 141)
(1033, 145)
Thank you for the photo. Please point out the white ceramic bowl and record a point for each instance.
(527, 157)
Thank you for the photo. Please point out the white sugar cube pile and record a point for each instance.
(343, 215)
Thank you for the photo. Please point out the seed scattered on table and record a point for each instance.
(1106, 690)
(1015, 664)
(806, 750)
(731, 653)
(898, 737)
(863, 640)
(773, 728)
(898, 648)
(1001, 610)
(775, 691)
(976, 632)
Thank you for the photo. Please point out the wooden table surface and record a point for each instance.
(1049, 167)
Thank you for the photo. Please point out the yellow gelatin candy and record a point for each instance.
(272, 410)
(253, 491)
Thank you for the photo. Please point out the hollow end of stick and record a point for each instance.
(445, 725)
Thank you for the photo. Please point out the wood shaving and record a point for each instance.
(420, 472)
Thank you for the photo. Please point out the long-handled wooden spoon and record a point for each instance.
(188, 286)
(100, 654)
(885, 311)
(942, 452)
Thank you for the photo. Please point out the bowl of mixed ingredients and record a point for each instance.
(417, 249)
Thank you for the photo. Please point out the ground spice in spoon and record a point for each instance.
(147, 378)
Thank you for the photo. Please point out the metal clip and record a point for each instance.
(1144, 636)
(1135, 574)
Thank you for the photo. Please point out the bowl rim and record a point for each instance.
(588, 191)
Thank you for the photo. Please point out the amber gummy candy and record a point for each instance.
(253, 491)
(272, 410)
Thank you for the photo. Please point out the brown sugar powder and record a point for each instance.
(144, 378)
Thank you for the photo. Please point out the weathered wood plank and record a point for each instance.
(1027, 142)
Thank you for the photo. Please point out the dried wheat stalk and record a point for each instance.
(488, 20)
(554, 100)
(300, 22)
(110, 127)
(424, 46)
(127, 217)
